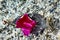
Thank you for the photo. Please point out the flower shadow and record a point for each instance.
(40, 24)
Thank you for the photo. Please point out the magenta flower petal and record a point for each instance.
(26, 24)
(26, 31)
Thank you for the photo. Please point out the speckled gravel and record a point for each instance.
(50, 21)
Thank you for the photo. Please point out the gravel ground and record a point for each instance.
(50, 20)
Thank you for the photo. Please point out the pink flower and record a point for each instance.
(26, 24)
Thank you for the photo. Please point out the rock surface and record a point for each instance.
(47, 17)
